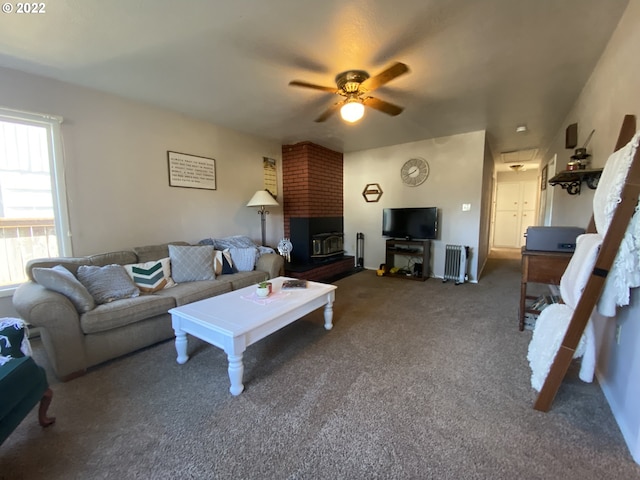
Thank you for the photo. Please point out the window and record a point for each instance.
(33, 213)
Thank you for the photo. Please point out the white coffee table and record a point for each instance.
(237, 319)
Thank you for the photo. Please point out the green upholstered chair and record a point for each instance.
(23, 383)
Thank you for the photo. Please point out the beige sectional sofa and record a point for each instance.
(77, 334)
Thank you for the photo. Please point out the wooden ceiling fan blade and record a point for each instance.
(381, 105)
(386, 76)
(329, 111)
(300, 83)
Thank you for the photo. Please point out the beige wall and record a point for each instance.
(612, 91)
(116, 168)
(456, 177)
(115, 154)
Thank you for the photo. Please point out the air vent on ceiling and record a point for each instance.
(519, 156)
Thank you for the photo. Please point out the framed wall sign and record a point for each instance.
(191, 171)
(270, 176)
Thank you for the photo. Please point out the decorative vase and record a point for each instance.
(264, 290)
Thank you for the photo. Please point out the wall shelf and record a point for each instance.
(571, 180)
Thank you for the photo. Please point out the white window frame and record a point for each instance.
(56, 164)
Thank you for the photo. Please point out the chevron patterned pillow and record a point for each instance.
(151, 276)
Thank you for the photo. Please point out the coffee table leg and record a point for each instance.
(236, 370)
(181, 346)
(328, 315)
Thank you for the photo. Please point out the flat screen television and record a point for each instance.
(410, 223)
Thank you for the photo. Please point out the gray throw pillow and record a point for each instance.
(244, 258)
(192, 263)
(61, 280)
(108, 283)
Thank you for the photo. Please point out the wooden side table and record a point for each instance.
(540, 267)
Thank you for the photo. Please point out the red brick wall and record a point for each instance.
(311, 182)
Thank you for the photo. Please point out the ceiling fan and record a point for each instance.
(355, 85)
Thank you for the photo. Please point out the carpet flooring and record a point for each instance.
(417, 380)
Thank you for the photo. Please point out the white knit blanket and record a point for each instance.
(553, 322)
(549, 331)
(625, 272)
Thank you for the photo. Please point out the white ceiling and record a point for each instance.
(474, 64)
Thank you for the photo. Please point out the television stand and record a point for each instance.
(413, 259)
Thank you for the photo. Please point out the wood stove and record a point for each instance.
(327, 245)
(316, 239)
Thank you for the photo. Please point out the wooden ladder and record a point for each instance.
(610, 244)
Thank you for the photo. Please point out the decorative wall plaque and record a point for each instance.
(372, 192)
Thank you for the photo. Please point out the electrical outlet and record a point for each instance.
(618, 330)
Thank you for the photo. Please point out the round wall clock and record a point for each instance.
(414, 171)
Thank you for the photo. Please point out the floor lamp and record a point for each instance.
(262, 198)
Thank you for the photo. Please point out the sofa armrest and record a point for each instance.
(59, 324)
(271, 263)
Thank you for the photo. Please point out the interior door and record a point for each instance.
(506, 221)
(515, 211)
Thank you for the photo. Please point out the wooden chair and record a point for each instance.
(595, 284)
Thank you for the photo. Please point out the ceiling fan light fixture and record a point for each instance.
(352, 110)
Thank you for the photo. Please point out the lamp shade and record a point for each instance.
(262, 198)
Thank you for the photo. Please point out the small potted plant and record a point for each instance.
(264, 289)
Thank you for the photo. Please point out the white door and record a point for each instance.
(515, 211)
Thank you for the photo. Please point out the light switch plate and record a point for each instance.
(466, 207)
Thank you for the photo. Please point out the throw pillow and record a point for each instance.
(244, 259)
(61, 280)
(192, 263)
(223, 262)
(13, 341)
(108, 283)
(152, 276)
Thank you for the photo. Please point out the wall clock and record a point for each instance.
(414, 172)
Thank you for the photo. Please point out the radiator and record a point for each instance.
(455, 263)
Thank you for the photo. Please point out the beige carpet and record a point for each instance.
(415, 381)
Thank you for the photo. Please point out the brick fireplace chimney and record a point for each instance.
(312, 193)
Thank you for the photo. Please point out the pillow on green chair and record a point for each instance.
(61, 280)
(12, 338)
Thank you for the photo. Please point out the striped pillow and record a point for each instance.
(223, 263)
(151, 276)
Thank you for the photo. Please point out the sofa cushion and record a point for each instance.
(124, 312)
(151, 276)
(245, 279)
(61, 280)
(107, 283)
(191, 263)
(113, 258)
(148, 253)
(189, 292)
